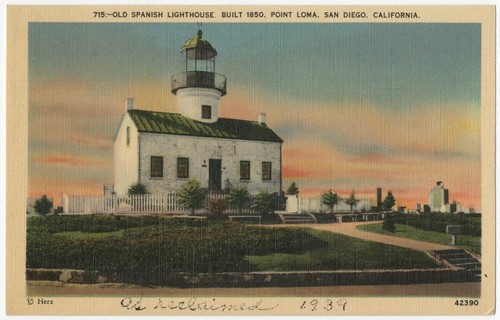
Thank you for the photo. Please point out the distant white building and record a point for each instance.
(438, 198)
(164, 150)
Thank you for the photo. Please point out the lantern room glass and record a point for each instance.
(199, 60)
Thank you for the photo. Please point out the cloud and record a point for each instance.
(69, 160)
(335, 145)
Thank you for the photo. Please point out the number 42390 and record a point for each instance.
(467, 303)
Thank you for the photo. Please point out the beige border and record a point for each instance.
(17, 128)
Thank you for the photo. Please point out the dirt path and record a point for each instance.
(349, 229)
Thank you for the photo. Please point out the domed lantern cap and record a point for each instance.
(198, 48)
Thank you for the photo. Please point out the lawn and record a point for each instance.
(403, 231)
(343, 253)
(144, 249)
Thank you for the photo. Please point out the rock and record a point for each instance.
(77, 277)
(101, 279)
(65, 276)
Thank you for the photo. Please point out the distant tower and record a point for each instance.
(198, 88)
(379, 199)
(438, 197)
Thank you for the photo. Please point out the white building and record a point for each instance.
(164, 150)
(438, 198)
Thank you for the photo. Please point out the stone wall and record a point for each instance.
(268, 279)
(199, 150)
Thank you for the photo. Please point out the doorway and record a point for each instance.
(214, 174)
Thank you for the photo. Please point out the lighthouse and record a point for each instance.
(165, 150)
(198, 87)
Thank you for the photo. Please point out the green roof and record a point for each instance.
(177, 124)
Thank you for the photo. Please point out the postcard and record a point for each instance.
(250, 160)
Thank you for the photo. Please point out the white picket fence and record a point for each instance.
(296, 204)
(151, 204)
(167, 204)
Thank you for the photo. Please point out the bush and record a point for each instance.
(389, 223)
(43, 206)
(238, 197)
(471, 225)
(137, 189)
(192, 196)
(217, 206)
(265, 202)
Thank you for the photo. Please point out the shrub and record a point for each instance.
(137, 189)
(238, 197)
(389, 223)
(43, 205)
(192, 196)
(292, 189)
(471, 225)
(217, 206)
(265, 202)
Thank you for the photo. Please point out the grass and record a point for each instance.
(343, 253)
(140, 248)
(403, 231)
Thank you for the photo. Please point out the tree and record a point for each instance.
(192, 196)
(389, 223)
(238, 197)
(292, 189)
(330, 199)
(352, 201)
(43, 205)
(137, 189)
(389, 201)
(265, 202)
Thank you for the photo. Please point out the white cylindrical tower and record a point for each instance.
(199, 88)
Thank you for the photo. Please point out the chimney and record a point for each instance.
(262, 119)
(130, 104)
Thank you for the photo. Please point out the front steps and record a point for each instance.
(461, 259)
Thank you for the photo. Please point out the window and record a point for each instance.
(206, 112)
(182, 168)
(156, 167)
(128, 136)
(244, 170)
(266, 171)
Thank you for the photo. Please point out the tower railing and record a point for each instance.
(199, 79)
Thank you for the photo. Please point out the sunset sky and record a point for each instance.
(359, 106)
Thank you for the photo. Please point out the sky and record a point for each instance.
(359, 106)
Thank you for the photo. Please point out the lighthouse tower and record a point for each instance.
(198, 88)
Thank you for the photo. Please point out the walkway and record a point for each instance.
(349, 229)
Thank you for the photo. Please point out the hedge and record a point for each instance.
(471, 224)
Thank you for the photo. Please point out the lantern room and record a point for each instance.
(198, 87)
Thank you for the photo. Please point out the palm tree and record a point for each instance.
(330, 199)
(352, 201)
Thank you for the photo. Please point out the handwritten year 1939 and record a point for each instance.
(325, 304)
